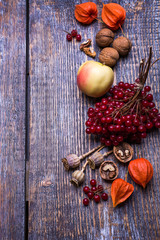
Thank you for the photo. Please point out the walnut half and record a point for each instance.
(108, 170)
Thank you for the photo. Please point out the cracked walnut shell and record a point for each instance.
(123, 45)
(109, 56)
(104, 37)
(108, 170)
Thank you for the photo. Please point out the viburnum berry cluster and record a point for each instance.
(72, 35)
(93, 193)
(128, 113)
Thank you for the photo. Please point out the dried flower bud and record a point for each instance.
(104, 37)
(108, 170)
(95, 160)
(109, 56)
(71, 161)
(123, 45)
(77, 178)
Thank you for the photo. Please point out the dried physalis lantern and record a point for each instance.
(97, 158)
(123, 152)
(120, 191)
(86, 12)
(73, 161)
(78, 176)
(113, 15)
(108, 170)
(141, 171)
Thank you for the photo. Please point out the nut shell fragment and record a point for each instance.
(108, 170)
(125, 149)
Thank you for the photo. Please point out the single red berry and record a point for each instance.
(104, 196)
(78, 37)
(69, 37)
(74, 33)
(88, 131)
(100, 188)
(147, 88)
(90, 195)
(86, 201)
(86, 189)
(97, 198)
(93, 189)
(157, 124)
(93, 182)
(108, 142)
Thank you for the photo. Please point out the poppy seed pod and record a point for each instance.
(72, 160)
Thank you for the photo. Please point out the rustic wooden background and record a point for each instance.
(37, 200)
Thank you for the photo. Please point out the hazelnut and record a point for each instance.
(104, 37)
(109, 56)
(123, 45)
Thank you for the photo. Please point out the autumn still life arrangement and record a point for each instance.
(122, 117)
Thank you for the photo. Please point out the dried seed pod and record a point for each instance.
(104, 37)
(141, 171)
(123, 45)
(109, 56)
(123, 152)
(97, 158)
(78, 176)
(73, 161)
(108, 170)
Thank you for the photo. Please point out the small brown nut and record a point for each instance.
(104, 37)
(123, 45)
(109, 56)
(108, 170)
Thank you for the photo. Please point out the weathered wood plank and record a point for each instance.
(58, 115)
(12, 119)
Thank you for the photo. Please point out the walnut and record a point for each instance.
(123, 45)
(109, 56)
(104, 37)
(123, 152)
(108, 170)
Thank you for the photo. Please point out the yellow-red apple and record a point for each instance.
(94, 79)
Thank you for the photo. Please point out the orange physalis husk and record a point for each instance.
(141, 171)
(86, 12)
(113, 15)
(120, 191)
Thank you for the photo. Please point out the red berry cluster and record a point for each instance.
(72, 35)
(93, 193)
(107, 120)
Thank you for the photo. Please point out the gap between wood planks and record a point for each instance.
(27, 120)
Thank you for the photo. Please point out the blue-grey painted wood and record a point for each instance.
(12, 119)
(58, 115)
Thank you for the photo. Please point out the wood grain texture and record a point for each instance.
(58, 115)
(12, 119)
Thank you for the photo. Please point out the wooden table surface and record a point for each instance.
(42, 119)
